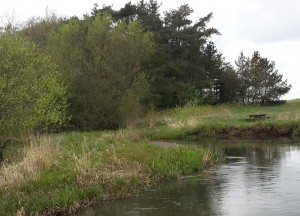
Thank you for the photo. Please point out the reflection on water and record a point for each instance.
(260, 178)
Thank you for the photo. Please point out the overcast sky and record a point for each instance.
(268, 26)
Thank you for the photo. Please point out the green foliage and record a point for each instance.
(260, 81)
(145, 12)
(102, 65)
(229, 84)
(31, 94)
(116, 63)
(188, 67)
(180, 65)
(177, 73)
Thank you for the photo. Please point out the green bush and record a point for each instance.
(31, 94)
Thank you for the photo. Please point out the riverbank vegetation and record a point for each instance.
(134, 75)
(59, 174)
(193, 122)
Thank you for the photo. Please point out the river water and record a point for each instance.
(261, 177)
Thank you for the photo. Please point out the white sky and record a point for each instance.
(268, 26)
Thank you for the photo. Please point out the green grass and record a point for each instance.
(180, 161)
(192, 122)
(60, 173)
(84, 168)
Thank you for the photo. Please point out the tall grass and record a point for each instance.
(58, 174)
(39, 154)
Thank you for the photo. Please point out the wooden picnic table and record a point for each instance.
(257, 116)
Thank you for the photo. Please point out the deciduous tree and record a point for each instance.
(102, 64)
(31, 94)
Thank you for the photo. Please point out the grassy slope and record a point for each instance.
(60, 173)
(192, 122)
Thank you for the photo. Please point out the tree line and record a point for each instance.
(102, 70)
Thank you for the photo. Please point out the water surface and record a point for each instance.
(260, 178)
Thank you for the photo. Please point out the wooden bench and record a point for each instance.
(253, 117)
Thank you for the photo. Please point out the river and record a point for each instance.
(261, 177)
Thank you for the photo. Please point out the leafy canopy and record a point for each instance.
(31, 96)
(102, 64)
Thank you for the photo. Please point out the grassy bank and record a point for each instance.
(58, 174)
(192, 122)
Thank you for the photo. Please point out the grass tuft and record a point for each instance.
(175, 162)
(39, 154)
